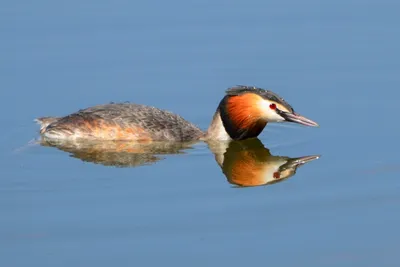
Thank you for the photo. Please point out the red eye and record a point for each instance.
(272, 106)
(277, 175)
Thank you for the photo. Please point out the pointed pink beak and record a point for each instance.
(297, 118)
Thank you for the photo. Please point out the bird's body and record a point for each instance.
(242, 113)
(121, 121)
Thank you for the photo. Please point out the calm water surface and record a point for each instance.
(102, 205)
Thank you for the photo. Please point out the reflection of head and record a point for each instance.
(249, 163)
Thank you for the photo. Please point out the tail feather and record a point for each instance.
(44, 122)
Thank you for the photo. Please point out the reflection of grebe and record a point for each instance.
(249, 163)
(242, 113)
(244, 163)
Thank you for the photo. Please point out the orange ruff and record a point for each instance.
(245, 113)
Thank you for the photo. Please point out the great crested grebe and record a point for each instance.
(242, 113)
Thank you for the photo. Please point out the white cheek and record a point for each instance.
(274, 117)
(269, 171)
(270, 114)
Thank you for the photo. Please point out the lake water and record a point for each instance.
(336, 62)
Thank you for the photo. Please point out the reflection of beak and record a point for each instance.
(296, 162)
(297, 118)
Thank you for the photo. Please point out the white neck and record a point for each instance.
(216, 130)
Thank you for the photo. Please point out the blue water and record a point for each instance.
(336, 62)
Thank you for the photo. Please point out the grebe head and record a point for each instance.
(245, 111)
